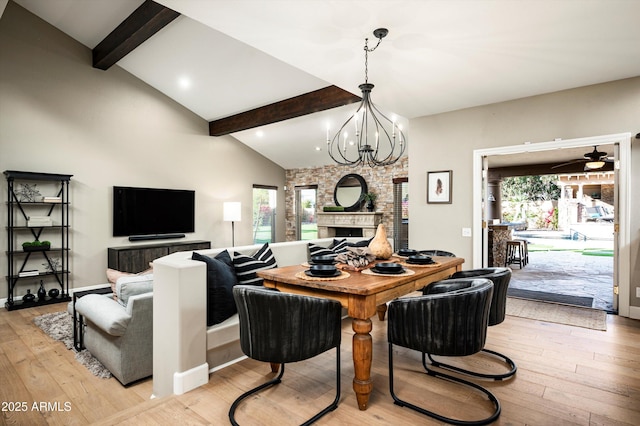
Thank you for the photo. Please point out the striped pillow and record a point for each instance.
(339, 246)
(316, 250)
(247, 266)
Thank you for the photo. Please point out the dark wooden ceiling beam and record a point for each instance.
(308, 103)
(143, 23)
(498, 173)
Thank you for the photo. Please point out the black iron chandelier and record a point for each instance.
(377, 141)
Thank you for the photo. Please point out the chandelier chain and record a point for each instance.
(366, 57)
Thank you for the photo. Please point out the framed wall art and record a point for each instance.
(439, 187)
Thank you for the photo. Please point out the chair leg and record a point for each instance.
(512, 366)
(276, 381)
(437, 416)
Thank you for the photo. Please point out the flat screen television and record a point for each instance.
(152, 212)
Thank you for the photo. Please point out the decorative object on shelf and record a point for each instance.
(28, 193)
(370, 198)
(53, 265)
(379, 245)
(54, 293)
(387, 142)
(39, 221)
(232, 212)
(349, 192)
(29, 297)
(36, 245)
(439, 187)
(333, 209)
(42, 293)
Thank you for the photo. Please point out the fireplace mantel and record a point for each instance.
(356, 224)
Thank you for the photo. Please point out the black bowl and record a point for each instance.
(407, 252)
(323, 270)
(388, 267)
(323, 260)
(420, 259)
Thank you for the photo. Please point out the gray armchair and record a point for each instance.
(120, 337)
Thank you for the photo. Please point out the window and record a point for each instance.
(306, 223)
(264, 214)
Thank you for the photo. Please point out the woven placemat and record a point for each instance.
(415, 265)
(306, 277)
(406, 273)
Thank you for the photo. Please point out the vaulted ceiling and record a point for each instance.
(240, 64)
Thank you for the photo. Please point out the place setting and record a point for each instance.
(388, 269)
(420, 261)
(322, 272)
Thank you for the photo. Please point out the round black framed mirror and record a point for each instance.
(349, 192)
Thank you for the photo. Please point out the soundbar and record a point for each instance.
(154, 237)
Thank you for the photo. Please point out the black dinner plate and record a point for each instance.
(420, 260)
(388, 266)
(387, 271)
(407, 252)
(336, 273)
(323, 260)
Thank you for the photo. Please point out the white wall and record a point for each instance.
(60, 115)
(446, 142)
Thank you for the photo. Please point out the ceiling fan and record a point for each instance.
(593, 160)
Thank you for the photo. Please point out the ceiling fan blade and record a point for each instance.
(567, 164)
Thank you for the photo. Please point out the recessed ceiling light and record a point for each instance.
(184, 82)
(259, 133)
(318, 148)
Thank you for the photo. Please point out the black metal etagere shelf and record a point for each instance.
(19, 205)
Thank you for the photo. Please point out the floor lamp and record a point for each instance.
(232, 213)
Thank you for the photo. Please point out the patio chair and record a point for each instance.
(432, 324)
(280, 328)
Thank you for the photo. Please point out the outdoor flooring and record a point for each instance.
(561, 267)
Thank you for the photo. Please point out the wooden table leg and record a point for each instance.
(275, 367)
(382, 311)
(362, 354)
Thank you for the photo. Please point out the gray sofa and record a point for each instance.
(119, 333)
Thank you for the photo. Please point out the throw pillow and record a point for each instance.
(247, 266)
(339, 246)
(363, 243)
(316, 250)
(113, 275)
(128, 286)
(220, 281)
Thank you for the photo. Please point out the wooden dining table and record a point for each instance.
(363, 295)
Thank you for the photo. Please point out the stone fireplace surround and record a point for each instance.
(379, 180)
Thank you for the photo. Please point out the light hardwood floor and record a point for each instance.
(566, 375)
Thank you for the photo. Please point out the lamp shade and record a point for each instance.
(232, 211)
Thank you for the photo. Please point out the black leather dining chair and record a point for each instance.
(500, 278)
(281, 328)
(450, 320)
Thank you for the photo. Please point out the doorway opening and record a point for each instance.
(620, 144)
(566, 222)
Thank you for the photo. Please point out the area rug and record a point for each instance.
(58, 326)
(587, 302)
(557, 313)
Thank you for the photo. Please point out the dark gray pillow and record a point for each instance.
(221, 278)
